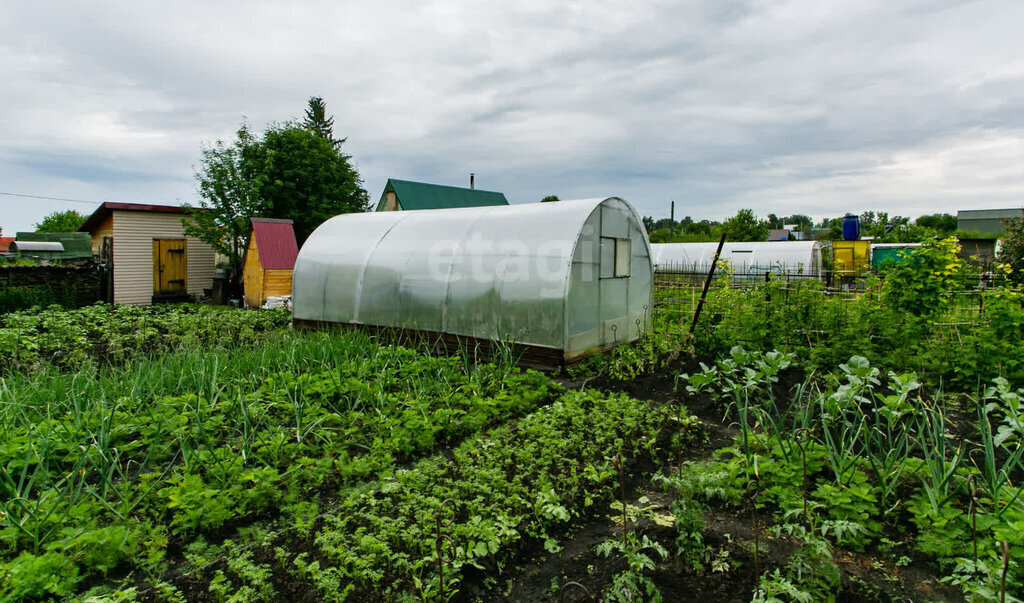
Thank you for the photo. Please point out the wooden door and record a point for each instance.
(169, 266)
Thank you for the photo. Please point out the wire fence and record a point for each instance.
(695, 273)
(805, 311)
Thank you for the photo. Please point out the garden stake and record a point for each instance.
(801, 436)
(1006, 565)
(707, 284)
(438, 546)
(753, 528)
(622, 486)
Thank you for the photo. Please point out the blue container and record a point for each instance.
(851, 228)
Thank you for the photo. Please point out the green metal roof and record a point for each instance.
(420, 195)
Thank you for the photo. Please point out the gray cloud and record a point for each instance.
(793, 106)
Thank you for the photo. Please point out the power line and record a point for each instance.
(51, 198)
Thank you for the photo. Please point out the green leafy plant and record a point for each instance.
(639, 553)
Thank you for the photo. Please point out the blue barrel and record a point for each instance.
(851, 228)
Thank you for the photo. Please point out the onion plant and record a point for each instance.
(941, 463)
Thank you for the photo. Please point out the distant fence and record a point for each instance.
(669, 274)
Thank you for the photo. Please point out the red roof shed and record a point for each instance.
(275, 240)
(269, 260)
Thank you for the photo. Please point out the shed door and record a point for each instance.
(168, 266)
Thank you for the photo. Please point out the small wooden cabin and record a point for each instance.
(269, 261)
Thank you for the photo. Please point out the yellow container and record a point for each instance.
(851, 257)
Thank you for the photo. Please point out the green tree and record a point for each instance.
(1011, 253)
(698, 229)
(317, 122)
(801, 220)
(924, 283)
(299, 175)
(550, 198)
(744, 226)
(61, 221)
(227, 199)
(943, 223)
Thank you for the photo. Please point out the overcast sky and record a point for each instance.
(803, 106)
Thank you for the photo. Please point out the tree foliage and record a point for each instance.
(303, 177)
(61, 221)
(317, 122)
(227, 199)
(685, 230)
(1011, 254)
(744, 226)
(550, 198)
(294, 171)
(922, 285)
(942, 223)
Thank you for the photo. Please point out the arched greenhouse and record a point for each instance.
(563, 279)
(793, 258)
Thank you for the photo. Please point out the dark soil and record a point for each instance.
(576, 573)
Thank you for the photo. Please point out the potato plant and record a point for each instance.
(108, 467)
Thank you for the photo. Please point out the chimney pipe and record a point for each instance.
(471, 178)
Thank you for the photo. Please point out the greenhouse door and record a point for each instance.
(614, 293)
(168, 269)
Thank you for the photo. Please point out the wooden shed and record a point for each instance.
(144, 255)
(269, 261)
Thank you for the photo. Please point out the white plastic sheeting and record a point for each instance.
(570, 275)
(780, 257)
(55, 246)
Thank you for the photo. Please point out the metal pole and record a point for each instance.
(671, 221)
(707, 284)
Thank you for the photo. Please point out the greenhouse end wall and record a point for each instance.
(573, 275)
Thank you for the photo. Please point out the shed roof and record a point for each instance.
(108, 207)
(275, 240)
(5, 242)
(421, 195)
(990, 214)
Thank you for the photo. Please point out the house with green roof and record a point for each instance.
(405, 194)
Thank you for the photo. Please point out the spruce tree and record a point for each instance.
(318, 123)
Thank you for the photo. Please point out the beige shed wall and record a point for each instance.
(134, 232)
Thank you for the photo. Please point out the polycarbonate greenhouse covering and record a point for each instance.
(570, 275)
(789, 257)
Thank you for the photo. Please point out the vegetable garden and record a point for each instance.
(801, 446)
